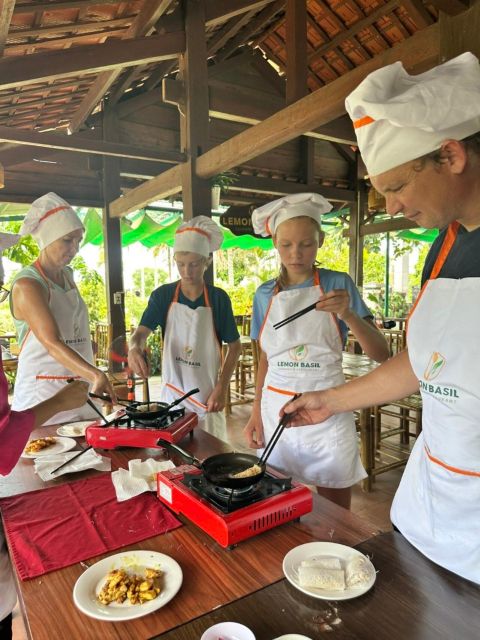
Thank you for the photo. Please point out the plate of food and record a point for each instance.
(47, 446)
(74, 429)
(127, 585)
(329, 571)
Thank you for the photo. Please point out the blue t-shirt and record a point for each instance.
(155, 315)
(329, 280)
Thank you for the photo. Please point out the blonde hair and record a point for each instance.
(281, 282)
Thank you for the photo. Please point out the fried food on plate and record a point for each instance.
(34, 446)
(121, 585)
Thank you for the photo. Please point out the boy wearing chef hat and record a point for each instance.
(306, 353)
(420, 139)
(50, 316)
(195, 319)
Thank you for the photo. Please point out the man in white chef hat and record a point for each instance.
(195, 319)
(420, 139)
(51, 318)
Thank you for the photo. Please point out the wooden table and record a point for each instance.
(213, 576)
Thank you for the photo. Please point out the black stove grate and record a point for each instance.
(161, 422)
(229, 500)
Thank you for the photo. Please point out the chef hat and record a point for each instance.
(7, 240)
(398, 117)
(199, 235)
(50, 218)
(267, 218)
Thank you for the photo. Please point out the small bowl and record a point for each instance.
(293, 636)
(228, 631)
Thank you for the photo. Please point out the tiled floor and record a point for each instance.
(373, 506)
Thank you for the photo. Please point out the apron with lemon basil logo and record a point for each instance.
(306, 355)
(192, 358)
(437, 505)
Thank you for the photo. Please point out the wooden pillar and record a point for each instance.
(460, 33)
(296, 46)
(355, 240)
(194, 119)
(111, 232)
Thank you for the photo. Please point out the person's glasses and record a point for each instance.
(4, 293)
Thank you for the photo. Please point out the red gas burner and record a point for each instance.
(232, 515)
(122, 431)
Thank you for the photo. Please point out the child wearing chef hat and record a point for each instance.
(419, 136)
(195, 320)
(306, 354)
(50, 316)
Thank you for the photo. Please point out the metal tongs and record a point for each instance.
(276, 434)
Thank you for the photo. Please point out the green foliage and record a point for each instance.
(92, 289)
(154, 348)
(224, 180)
(25, 251)
(152, 278)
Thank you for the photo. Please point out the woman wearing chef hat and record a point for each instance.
(306, 354)
(195, 319)
(15, 430)
(50, 316)
(420, 139)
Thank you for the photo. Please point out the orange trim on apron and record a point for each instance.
(282, 391)
(57, 377)
(182, 393)
(361, 122)
(462, 472)
(447, 244)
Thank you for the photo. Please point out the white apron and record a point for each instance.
(437, 505)
(39, 375)
(192, 358)
(306, 355)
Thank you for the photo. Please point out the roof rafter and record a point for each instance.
(42, 67)
(143, 25)
(6, 12)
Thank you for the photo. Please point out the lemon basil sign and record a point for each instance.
(435, 365)
(238, 219)
(297, 360)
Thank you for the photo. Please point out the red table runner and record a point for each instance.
(53, 528)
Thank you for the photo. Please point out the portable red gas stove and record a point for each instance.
(232, 515)
(122, 431)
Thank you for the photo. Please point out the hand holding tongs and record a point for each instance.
(276, 434)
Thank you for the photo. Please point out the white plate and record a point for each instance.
(295, 557)
(228, 631)
(61, 445)
(92, 580)
(74, 429)
(293, 636)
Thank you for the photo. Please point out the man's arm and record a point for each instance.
(136, 353)
(392, 380)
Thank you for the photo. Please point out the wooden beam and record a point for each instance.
(380, 12)
(85, 145)
(450, 7)
(143, 25)
(64, 42)
(43, 67)
(395, 224)
(6, 12)
(166, 184)
(460, 34)
(219, 12)
(322, 106)
(229, 30)
(296, 50)
(319, 107)
(268, 73)
(241, 104)
(72, 27)
(33, 7)
(284, 187)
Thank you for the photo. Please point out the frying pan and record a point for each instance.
(133, 412)
(220, 468)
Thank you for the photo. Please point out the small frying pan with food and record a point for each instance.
(153, 410)
(233, 470)
(220, 469)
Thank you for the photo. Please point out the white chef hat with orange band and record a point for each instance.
(50, 218)
(399, 117)
(266, 219)
(199, 235)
